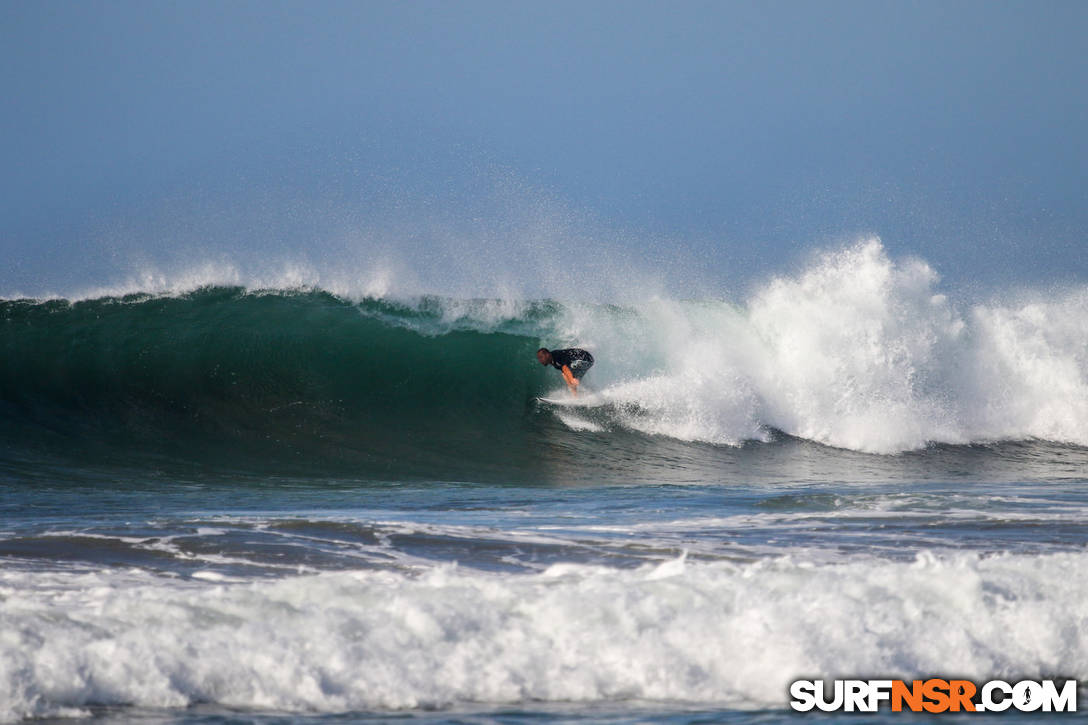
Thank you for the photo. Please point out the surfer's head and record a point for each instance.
(544, 355)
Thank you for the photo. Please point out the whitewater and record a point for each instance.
(718, 634)
(314, 494)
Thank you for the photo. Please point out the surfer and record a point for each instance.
(573, 362)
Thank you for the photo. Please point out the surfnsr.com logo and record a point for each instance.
(934, 695)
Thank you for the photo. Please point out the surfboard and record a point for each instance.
(590, 400)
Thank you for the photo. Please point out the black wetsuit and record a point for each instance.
(578, 360)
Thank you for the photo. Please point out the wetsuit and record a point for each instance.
(578, 360)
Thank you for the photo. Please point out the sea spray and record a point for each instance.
(858, 351)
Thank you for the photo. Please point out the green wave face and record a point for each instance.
(221, 376)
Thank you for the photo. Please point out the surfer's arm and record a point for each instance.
(572, 381)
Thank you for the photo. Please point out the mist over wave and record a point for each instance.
(856, 351)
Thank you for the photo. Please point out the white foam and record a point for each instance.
(858, 351)
(695, 633)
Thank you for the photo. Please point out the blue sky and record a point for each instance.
(738, 134)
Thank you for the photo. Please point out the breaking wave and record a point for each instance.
(856, 351)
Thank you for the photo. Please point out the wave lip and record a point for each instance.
(722, 634)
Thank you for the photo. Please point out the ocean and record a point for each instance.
(229, 502)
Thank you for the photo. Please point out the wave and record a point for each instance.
(857, 351)
(280, 374)
(728, 634)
